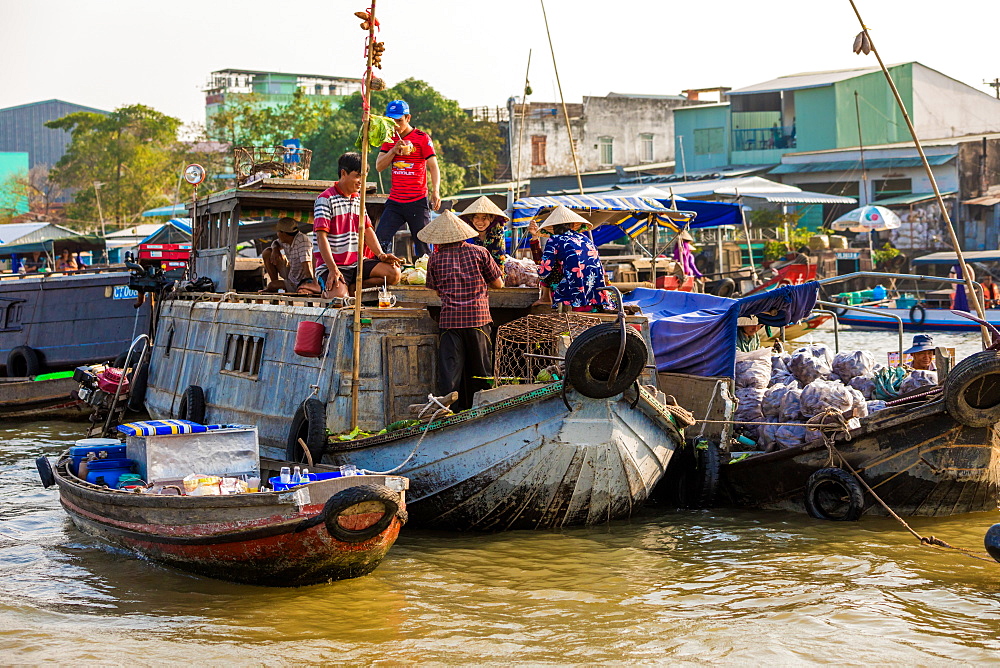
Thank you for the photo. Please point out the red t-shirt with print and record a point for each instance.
(409, 172)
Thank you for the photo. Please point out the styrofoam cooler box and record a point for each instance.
(232, 451)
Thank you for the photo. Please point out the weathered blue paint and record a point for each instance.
(69, 319)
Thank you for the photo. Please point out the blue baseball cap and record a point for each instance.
(397, 109)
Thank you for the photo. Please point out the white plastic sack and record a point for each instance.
(770, 405)
(807, 367)
(817, 350)
(847, 366)
(753, 373)
(748, 409)
(860, 405)
(876, 405)
(789, 436)
(864, 385)
(790, 409)
(918, 380)
(779, 362)
(822, 395)
(768, 434)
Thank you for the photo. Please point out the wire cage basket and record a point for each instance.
(546, 335)
(253, 163)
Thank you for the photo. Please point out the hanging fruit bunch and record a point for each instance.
(380, 128)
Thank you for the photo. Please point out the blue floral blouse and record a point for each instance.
(582, 272)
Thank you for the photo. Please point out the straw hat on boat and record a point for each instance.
(563, 216)
(747, 321)
(483, 205)
(685, 236)
(445, 229)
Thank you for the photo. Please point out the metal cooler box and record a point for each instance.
(231, 451)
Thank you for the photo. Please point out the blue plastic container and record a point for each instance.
(102, 448)
(279, 486)
(878, 292)
(107, 471)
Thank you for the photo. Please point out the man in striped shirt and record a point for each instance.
(335, 224)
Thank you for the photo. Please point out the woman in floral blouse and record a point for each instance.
(571, 256)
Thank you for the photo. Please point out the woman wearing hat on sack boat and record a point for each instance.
(462, 274)
(574, 255)
(747, 338)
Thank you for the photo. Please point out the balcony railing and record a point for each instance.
(757, 139)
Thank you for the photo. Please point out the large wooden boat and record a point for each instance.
(326, 530)
(62, 320)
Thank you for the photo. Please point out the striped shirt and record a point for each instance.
(297, 254)
(337, 214)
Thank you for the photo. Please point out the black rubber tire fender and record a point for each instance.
(192, 405)
(592, 354)
(137, 391)
(352, 496)
(972, 390)
(834, 486)
(23, 361)
(45, 472)
(923, 314)
(692, 478)
(309, 424)
(991, 541)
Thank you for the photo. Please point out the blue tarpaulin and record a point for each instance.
(710, 214)
(696, 333)
(526, 208)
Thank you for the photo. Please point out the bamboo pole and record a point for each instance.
(520, 129)
(746, 233)
(562, 100)
(359, 274)
(969, 283)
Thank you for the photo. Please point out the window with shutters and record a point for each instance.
(606, 149)
(243, 355)
(538, 150)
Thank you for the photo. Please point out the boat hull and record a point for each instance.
(27, 398)
(919, 461)
(69, 319)
(528, 462)
(273, 539)
(936, 320)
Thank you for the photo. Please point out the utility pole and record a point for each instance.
(995, 85)
(97, 193)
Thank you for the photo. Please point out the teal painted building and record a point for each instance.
(13, 200)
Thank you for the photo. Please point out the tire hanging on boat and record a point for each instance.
(591, 357)
(972, 390)
(923, 314)
(23, 361)
(45, 472)
(353, 496)
(835, 495)
(137, 393)
(309, 424)
(692, 478)
(192, 405)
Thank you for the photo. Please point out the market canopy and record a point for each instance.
(75, 243)
(949, 257)
(696, 333)
(710, 214)
(610, 209)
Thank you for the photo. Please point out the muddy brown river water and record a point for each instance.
(717, 586)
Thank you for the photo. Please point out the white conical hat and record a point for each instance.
(483, 205)
(445, 229)
(563, 216)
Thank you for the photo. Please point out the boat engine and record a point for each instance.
(98, 385)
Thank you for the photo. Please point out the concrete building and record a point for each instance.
(274, 88)
(22, 129)
(612, 131)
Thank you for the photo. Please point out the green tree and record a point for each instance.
(132, 152)
(459, 141)
(247, 120)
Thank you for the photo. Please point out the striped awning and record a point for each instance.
(166, 427)
(626, 212)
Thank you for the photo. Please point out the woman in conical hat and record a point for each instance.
(571, 264)
(490, 222)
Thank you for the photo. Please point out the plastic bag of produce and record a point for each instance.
(864, 385)
(748, 409)
(753, 369)
(779, 363)
(789, 435)
(860, 405)
(415, 276)
(520, 272)
(790, 409)
(807, 367)
(768, 433)
(822, 395)
(918, 380)
(876, 405)
(770, 405)
(817, 350)
(421, 262)
(847, 366)
(783, 378)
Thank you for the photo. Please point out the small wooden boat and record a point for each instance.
(933, 454)
(527, 461)
(325, 530)
(30, 398)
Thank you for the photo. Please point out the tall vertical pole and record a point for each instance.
(100, 213)
(520, 129)
(861, 150)
(746, 233)
(969, 283)
(562, 100)
(359, 274)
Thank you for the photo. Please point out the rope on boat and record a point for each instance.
(431, 400)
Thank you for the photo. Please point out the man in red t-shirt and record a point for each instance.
(335, 224)
(411, 155)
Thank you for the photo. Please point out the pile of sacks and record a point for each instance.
(788, 389)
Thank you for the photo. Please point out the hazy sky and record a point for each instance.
(107, 53)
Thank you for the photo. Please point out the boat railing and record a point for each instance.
(836, 325)
(881, 313)
(880, 274)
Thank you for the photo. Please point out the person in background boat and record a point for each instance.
(991, 292)
(335, 225)
(573, 254)
(490, 222)
(411, 156)
(922, 352)
(959, 300)
(747, 336)
(66, 261)
(683, 253)
(462, 274)
(288, 260)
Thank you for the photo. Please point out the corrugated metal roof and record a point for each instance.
(14, 231)
(855, 165)
(803, 197)
(803, 80)
(988, 200)
(911, 199)
(947, 257)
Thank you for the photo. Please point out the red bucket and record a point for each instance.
(309, 339)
